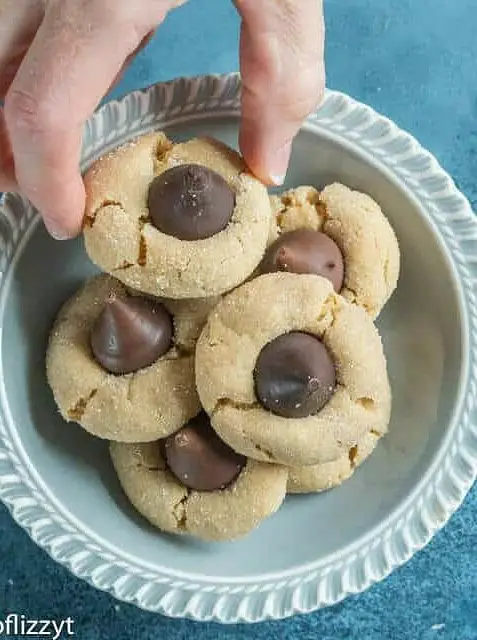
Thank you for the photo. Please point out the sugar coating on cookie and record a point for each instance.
(121, 238)
(137, 407)
(316, 478)
(255, 314)
(362, 232)
(223, 514)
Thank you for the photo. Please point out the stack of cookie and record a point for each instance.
(229, 352)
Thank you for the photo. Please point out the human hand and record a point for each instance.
(58, 58)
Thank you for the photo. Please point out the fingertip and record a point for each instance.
(266, 160)
(57, 230)
(277, 164)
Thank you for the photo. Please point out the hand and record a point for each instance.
(58, 58)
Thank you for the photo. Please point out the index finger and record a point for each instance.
(281, 60)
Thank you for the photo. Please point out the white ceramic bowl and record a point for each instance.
(58, 482)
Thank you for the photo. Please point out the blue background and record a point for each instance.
(416, 62)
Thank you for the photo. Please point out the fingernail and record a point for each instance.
(56, 232)
(278, 165)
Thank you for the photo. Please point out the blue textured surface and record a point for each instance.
(416, 62)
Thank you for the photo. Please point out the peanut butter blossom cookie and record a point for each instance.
(339, 234)
(290, 372)
(193, 483)
(122, 364)
(176, 220)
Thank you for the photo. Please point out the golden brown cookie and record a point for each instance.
(321, 477)
(358, 226)
(221, 514)
(252, 317)
(120, 235)
(140, 406)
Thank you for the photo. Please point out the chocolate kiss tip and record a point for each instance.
(115, 302)
(112, 297)
(118, 313)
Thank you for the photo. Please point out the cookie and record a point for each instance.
(192, 483)
(328, 475)
(179, 221)
(351, 221)
(122, 365)
(267, 398)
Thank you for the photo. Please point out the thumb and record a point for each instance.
(282, 66)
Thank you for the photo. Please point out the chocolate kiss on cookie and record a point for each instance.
(294, 375)
(306, 251)
(130, 334)
(199, 459)
(190, 202)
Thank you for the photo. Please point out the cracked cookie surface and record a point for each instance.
(137, 407)
(121, 240)
(251, 317)
(316, 478)
(223, 514)
(360, 229)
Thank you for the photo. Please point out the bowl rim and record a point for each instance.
(390, 543)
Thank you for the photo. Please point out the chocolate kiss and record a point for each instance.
(306, 251)
(130, 334)
(294, 375)
(199, 459)
(190, 202)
